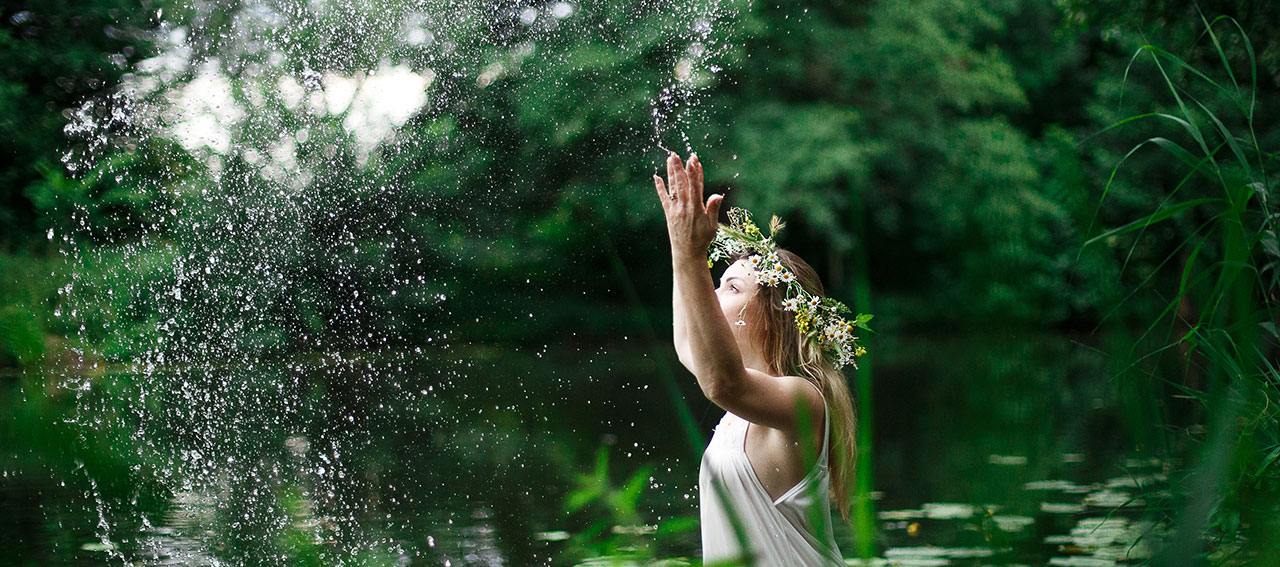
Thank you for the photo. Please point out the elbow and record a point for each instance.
(685, 362)
(720, 389)
(682, 354)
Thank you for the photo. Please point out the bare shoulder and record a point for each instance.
(807, 399)
(801, 386)
(778, 402)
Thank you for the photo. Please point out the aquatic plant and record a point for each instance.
(1226, 299)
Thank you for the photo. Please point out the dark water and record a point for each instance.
(998, 449)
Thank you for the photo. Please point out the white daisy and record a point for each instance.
(791, 304)
(786, 277)
(755, 260)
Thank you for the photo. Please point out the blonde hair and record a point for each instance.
(787, 353)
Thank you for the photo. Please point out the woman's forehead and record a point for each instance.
(741, 268)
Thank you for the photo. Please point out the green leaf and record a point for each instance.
(626, 499)
(1152, 218)
(1267, 462)
(581, 497)
(1270, 244)
(678, 525)
(1270, 328)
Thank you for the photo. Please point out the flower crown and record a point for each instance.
(817, 318)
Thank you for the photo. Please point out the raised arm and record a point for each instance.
(713, 356)
(682, 175)
(704, 340)
(679, 328)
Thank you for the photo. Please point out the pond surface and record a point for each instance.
(999, 449)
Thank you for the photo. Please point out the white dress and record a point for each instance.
(778, 531)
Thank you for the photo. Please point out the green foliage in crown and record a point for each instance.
(821, 320)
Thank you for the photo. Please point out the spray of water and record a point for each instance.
(300, 201)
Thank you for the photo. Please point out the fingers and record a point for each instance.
(695, 177)
(713, 207)
(685, 179)
(661, 188)
(676, 177)
(671, 174)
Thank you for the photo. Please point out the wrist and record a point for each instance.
(681, 256)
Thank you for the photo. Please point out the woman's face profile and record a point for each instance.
(737, 286)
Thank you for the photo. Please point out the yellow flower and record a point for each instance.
(802, 321)
(859, 351)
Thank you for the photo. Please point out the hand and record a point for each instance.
(691, 224)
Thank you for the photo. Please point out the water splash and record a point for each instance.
(296, 211)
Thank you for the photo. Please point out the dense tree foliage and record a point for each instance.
(957, 127)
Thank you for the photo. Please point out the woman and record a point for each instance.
(761, 501)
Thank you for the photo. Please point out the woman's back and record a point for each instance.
(779, 531)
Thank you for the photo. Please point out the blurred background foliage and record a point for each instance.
(962, 147)
(969, 132)
(960, 126)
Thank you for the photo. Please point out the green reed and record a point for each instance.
(1229, 496)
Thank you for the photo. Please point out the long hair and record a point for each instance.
(787, 353)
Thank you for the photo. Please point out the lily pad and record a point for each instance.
(1013, 523)
(900, 514)
(1061, 508)
(1080, 561)
(555, 535)
(1050, 485)
(1007, 460)
(948, 510)
(929, 551)
(98, 546)
(1112, 499)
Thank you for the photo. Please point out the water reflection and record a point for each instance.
(384, 460)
